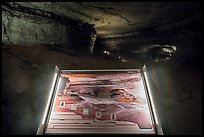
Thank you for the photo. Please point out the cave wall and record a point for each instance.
(21, 30)
(26, 25)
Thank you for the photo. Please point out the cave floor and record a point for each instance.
(27, 73)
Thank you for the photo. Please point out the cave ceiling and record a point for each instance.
(113, 19)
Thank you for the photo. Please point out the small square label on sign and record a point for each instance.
(62, 103)
(113, 116)
(73, 107)
(85, 111)
(98, 115)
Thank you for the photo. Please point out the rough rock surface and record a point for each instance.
(26, 25)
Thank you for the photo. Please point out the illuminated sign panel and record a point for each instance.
(101, 101)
